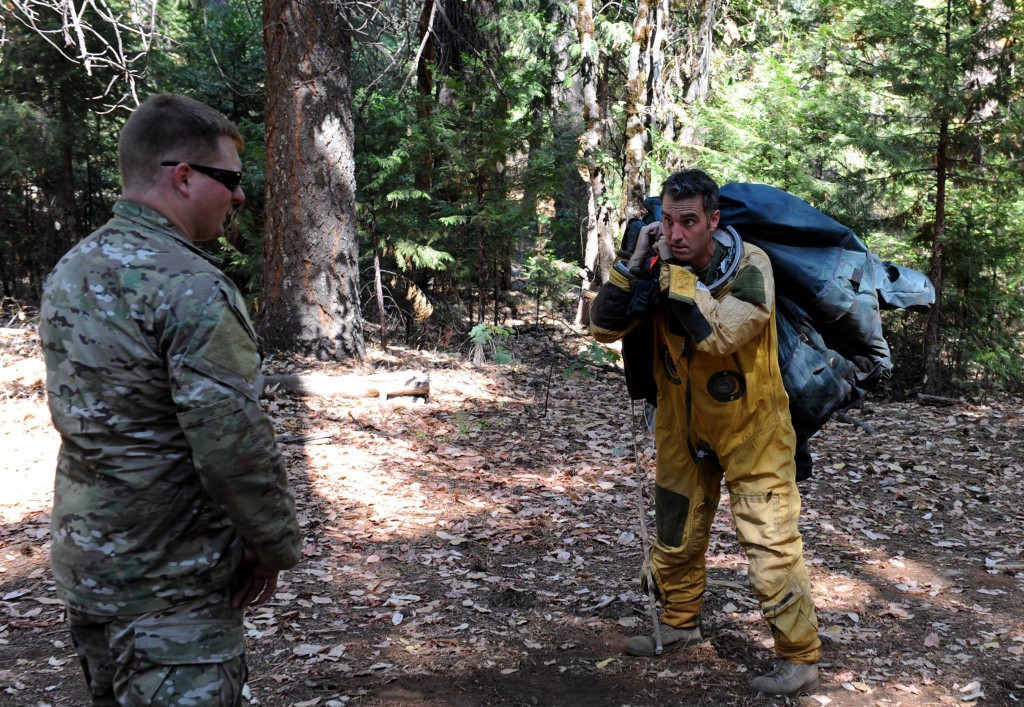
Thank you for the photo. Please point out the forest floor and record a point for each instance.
(483, 548)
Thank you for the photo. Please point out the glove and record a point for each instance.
(646, 298)
(682, 284)
(648, 269)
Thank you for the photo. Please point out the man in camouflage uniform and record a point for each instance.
(723, 412)
(172, 510)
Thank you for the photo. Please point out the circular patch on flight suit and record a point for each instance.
(726, 386)
(670, 366)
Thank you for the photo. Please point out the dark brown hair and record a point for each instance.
(690, 183)
(169, 126)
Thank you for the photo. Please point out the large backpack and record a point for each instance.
(830, 290)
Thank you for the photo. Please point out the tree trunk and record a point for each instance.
(481, 242)
(425, 98)
(378, 290)
(384, 385)
(554, 105)
(636, 176)
(932, 346)
(691, 75)
(68, 220)
(566, 110)
(600, 251)
(311, 277)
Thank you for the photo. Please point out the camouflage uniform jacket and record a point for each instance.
(167, 460)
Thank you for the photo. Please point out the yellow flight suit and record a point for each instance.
(722, 411)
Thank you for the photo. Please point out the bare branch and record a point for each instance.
(419, 52)
(96, 36)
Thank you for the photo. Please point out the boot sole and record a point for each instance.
(809, 687)
(666, 648)
(644, 653)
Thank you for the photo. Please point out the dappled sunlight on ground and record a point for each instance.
(483, 547)
(28, 457)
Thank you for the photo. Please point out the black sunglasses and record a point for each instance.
(227, 177)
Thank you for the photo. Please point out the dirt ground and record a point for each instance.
(482, 548)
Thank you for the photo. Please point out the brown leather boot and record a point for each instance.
(787, 678)
(671, 638)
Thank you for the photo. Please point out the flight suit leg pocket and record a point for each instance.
(187, 662)
(766, 528)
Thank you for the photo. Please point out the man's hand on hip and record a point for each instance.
(254, 583)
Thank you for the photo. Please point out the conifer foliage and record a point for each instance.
(410, 165)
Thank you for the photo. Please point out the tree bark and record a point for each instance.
(378, 290)
(566, 110)
(553, 106)
(425, 97)
(311, 279)
(931, 346)
(69, 222)
(599, 253)
(636, 176)
(691, 75)
(481, 244)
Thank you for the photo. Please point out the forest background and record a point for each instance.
(412, 169)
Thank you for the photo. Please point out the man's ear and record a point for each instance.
(180, 177)
(713, 221)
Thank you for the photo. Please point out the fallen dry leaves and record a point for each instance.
(483, 547)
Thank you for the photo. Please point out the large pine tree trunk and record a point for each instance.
(311, 277)
(551, 105)
(566, 111)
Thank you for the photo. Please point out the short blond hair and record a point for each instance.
(169, 126)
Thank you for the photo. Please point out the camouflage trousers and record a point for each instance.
(192, 654)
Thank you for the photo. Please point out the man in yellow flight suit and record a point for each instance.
(722, 412)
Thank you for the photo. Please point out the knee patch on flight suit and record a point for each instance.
(682, 527)
(671, 511)
(677, 559)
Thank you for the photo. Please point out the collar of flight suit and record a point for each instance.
(152, 220)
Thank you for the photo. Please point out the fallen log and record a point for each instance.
(936, 400)
(843, 417)
(379, 385)
(16, 331)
